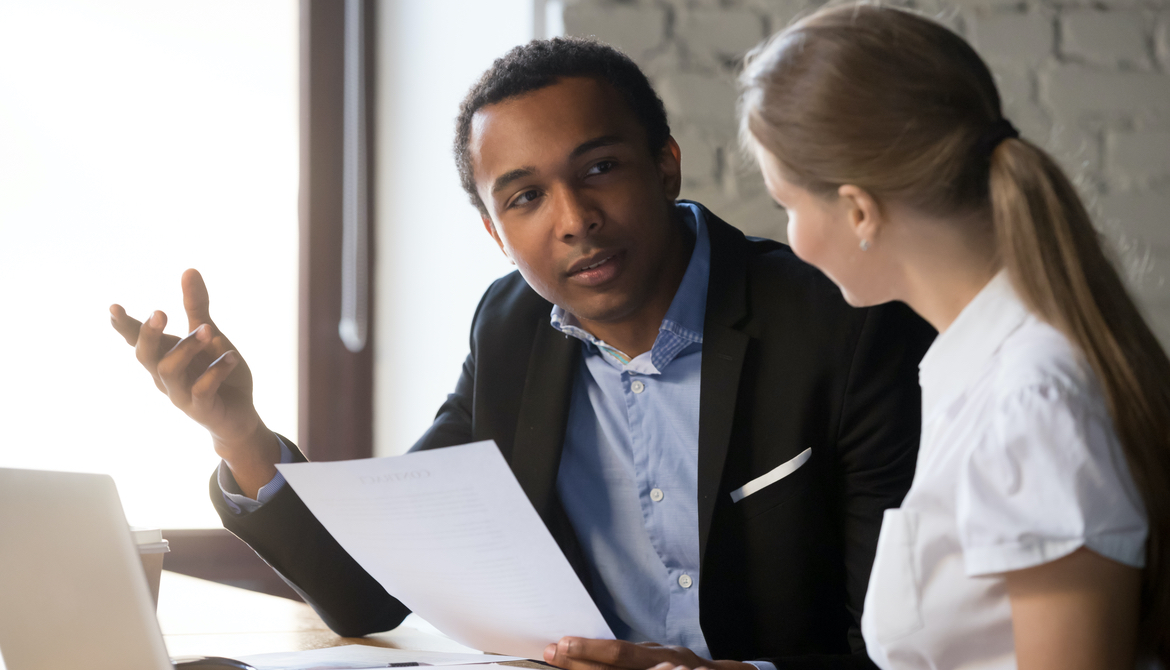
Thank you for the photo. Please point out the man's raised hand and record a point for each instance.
(205, 376)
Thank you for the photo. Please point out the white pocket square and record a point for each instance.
(779, 472)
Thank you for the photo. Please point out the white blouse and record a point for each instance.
(1019, 465)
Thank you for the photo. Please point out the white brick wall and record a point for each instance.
(636, 30)
(1106, 39)
(1137, 160)
(1089, 80)
(1014, 39)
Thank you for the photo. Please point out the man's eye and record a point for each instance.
(602, 167)
(526, 197)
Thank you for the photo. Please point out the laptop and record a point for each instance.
(73, 593)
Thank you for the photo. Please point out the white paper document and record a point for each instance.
(450, 533)
(360, 657)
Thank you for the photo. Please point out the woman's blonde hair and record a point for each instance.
(900, 106)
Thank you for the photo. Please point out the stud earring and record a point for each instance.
(865, 245)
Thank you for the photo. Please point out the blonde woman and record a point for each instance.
(1035, 533)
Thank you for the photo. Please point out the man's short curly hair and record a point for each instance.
(541, 63)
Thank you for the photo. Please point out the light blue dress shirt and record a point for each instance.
(628, 477)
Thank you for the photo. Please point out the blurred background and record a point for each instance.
(139, 138)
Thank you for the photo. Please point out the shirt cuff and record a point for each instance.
(762, 665)
(239, 503)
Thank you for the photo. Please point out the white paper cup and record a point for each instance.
(151, 548)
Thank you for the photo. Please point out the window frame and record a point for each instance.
(335, 385)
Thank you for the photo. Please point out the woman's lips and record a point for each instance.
(598, 273)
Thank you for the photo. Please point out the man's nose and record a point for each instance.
(576, 216)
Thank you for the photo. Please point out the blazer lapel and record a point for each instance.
(544, 413)
(724, 347)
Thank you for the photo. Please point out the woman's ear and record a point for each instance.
(864, 214)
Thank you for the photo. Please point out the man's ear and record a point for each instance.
(863, 212)
(670, 168)
(490, 227)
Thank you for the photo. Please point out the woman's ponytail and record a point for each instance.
(1053, 254)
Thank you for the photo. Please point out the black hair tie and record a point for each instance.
(997, 132)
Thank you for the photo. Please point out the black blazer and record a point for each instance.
(787, 365)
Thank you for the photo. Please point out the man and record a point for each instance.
(708, 431)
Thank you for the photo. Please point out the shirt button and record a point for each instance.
(684, 581)
(637, 386)
(656, 495)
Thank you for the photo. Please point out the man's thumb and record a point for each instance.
(195, 300)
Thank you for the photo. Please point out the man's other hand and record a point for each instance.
(205, 376)
(576, 653)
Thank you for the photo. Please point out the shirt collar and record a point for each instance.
(683, 323)
(961, 353)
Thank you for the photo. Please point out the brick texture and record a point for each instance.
(1078, 92)
(634, 29)
(1162, 41)
(1107, 39)
(1017, 39)
(1138, 160)
(1088, 80)
(1141, 215)
(723, 34)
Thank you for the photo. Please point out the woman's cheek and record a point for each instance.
(805, 240)
(810, 243)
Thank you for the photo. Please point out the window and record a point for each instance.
(140, 138)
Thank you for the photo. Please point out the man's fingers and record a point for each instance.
(126, 325)
(617, 653)
(147, 349)
(667, 665)
(204, 391)
(195, 300)
(553, 658)
(576, 653)
(173, 367)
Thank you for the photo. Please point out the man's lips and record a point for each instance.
(596, 269)
(591, 261)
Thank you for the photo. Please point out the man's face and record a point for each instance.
(575, 197)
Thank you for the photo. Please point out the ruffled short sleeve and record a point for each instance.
(1046, 478)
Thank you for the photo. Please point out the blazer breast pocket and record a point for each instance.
(776, 486)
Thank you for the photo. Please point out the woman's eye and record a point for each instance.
(602, 167)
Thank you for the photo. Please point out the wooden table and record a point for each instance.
(199, 617)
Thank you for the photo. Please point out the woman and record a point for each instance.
(1035, 533)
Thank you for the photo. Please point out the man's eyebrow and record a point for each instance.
(595, 143)
(512, 175)
(519, 173)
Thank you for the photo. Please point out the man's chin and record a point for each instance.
(603, 309)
